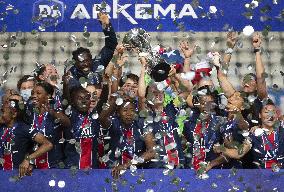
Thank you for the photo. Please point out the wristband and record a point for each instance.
(256, 50)
(107, 27)
(217, 67)
(28, 158)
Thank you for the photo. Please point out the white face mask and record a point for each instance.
(26, 94)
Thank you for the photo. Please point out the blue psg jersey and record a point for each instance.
(83, 127)
(15, 143)
(125, 141)
(202, 135)
(168, 141)
(268, 149)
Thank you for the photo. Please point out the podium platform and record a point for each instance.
(150, 180)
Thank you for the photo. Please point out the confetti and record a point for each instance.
(258, 132)
(43, 43)
(51, 183)
(9, 7)
(95, 116)
(2, 161)
(61, 184)
(23, 41)
(248, 15)
(160, 26)
(214, 185)
(100, 69)
(73, 38)
(86, 34)
(119, 101)
(212, 9)
(90, 44)
(266, 30)
(203, 176)
(254, 4)
(6, 56)
(249, 67)
(41, 28)
(34, 32)
(239, 44)
(248, 30)
(16, 11)
(14, 43)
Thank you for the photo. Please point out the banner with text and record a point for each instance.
(152, 15)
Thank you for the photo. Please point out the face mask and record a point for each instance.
(26, 94)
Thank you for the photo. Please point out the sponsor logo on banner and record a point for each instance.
(133, 12)
(48, 12)
(51, 12)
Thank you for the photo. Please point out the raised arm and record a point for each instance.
(182, 86)
(260, 82)
(117, 69)
(224, 82)
(106, 113)
(231, 42)
(110, 40)
(141, 84)
(187, 53)
(66, 91)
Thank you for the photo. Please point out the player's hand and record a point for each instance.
(103, 18)
(231, 39)
(186, 50)
(256, 41)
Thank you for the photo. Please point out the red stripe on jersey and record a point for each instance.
(86, 149)
(8, 161)
(86, 153)
(271, 139)
(197, 159)
(172, 154)
(42, 162)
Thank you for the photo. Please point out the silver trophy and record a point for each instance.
(139, 39)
